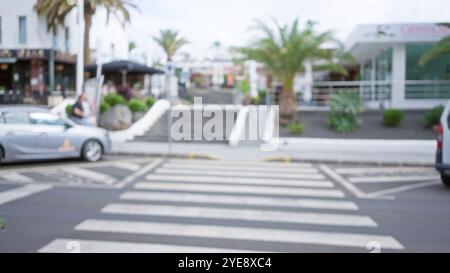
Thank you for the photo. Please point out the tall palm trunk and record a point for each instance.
(287, 102)
(288, 106)
(88, 15)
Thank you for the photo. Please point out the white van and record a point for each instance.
(443, 149)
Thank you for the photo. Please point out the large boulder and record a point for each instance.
(117, 118)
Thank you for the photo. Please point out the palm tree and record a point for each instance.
(131, 46)
(170, 42)
(56, 11)
(285, 51)
(442, 48)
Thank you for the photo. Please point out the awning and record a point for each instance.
(126, 67)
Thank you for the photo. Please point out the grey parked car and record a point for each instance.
(30, 133)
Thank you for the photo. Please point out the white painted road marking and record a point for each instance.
(371, 170)
(392, 179)
(237, 180)
(15, 177)
(240, 200)
(242, 163)
(92, 246)
(276, 175)
(349, 186)
(126, 166)
(405, 188)
(91, 175)
(241, 214)
(240, 233)
(241, 189)
(142, 171)
(22, 192)
(239, 168)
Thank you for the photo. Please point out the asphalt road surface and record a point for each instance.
(127, 204)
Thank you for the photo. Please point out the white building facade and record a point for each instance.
(390, 73)
(33, 61)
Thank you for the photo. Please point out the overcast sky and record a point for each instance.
(204, 21)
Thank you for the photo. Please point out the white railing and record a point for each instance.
(375, 91)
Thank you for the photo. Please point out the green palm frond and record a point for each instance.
(440, 49)
(170, 41)
(56, 11)
(285, 49)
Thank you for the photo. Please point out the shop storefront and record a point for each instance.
(30, 76)
(389, 58)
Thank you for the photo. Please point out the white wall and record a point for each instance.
(37, 35)
(105, 34)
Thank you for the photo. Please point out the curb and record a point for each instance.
(284, 159)
(288, 159)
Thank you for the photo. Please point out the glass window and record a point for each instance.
(22, 30)
(46, 119)
(16, 118)
(432, 78)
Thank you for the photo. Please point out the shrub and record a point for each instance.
(433, 116)
(104, 106)
(296, 128)
(245, 87)
(69, 110)
(150, 101)
(343, 123)
(393, 117)
(136, 105)
(114, 99)
(345, 106)
(256, 100)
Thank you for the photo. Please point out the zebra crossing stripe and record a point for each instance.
(240, 233)
(91, 175)
(371, 170)
(278, 174)
(238, 180)
(392, 179)
(233, 189)
(240, 200)
(94, 246)
(126, 166)
(241, 214)
(15, 177)
(22, 192)
(239, 168)
(242, 163)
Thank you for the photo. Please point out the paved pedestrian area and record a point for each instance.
(178, 205)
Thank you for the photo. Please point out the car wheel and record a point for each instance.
(445, 179)
(92, 151)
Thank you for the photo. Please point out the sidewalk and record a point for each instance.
(398, 152)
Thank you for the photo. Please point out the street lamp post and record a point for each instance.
(80, 55)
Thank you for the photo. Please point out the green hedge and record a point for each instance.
(150, 101)
(104, 106)
(296, 128)
(433, 117)
(136, 105)
(393, 117)
(114, 99)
